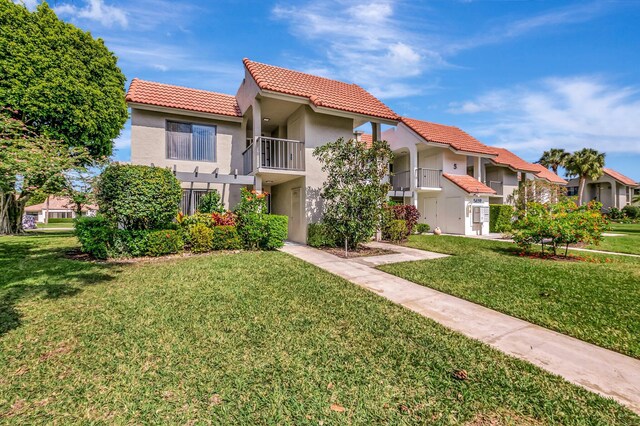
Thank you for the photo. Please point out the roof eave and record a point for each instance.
(182, 111)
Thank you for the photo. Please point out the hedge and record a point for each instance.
(320, 235)
(500, 217)
(167, 241)
(275, 231)
(226, 238)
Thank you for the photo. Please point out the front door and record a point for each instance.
(430, 214)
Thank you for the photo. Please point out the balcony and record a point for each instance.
(496, 186)
(273, 154)
(401, 181)
(428, 178)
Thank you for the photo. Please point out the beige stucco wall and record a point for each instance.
(148, 146)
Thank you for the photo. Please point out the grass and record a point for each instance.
(248, 338)
(629, 243)
(596, 302)
(61, 225)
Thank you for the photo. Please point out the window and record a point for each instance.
(193, 142)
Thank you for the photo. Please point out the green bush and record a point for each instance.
(396, 230)
(95, 235)
(321, 235)
(275, 231)
(200, 238)
(138, 197)
(631, 211)
(500, 217)
(250, 212)
(129, 243)
(421, 228)
(60, 220)
(164, 242)
(226, 238)
(194, 219)
(211, 203)
(615, 213)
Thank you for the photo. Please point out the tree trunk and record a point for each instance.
(581, 186)
(11, 212)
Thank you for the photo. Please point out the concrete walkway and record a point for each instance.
(599, 370)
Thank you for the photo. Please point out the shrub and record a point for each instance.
(275, 231)
(129, 243)
(164, 242)
(631, 211)
(95, 235)
(421, 228)
(406, 212)
(500, 217)
(250, 212)
(396, 230)
(211, 203)
(195, 219)
(60, 220)
(321, 235)
(615, 213)
(200, 238)
(226, 238)
(138, 197)
(559, 224)
(223, 219)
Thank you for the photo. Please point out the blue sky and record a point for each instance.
(525, 75)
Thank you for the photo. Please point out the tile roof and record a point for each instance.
(367, 138)
(57, 203)
(543, 172)
(322, 92)
(166, 95)
(449, 135)
(620, 177)
(469, 184)
(508, 158)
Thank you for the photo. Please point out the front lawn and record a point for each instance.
(596, 302)
(629, 243)
(66, 225)
(249, 338)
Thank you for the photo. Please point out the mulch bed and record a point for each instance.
(361, 251)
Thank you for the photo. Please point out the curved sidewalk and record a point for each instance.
(599, 370)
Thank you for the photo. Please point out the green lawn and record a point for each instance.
(630, 243)
(596, 302)
(249, 338)
(68, 225)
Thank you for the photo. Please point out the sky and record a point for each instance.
(524, 75)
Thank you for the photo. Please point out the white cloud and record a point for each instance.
(95, 10)
(569, 113)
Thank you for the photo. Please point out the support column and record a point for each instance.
(413, 166)
(257, 185)
(477, 168)
(257, 132)
(376, 131)
(614, 193)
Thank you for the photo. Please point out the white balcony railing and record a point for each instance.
(496, 186)
(401, 181)
(428, 178)
(273, 153)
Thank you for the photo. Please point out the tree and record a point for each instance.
(29, 163)
(79, 188)
(59, 80)
(355, 191)
(554, 158)
(585, 164)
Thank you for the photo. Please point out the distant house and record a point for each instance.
(58, 208)
(612, 189)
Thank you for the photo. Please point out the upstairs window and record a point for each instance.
(193, 142)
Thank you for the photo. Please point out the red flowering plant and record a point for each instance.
(223, 219)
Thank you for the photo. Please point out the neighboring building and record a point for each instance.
(545, 174)
(612, 189)
(58, 208)
(262, 137)
(504, 173)
(438, 169)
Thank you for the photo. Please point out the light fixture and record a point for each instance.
(268, 181)
(266, 119)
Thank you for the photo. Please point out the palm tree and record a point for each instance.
(554, 158)
(585, 164)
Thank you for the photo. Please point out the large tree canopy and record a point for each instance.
(59, 80)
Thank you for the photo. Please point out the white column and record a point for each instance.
(258, 183)
(257, 132)
(477, 168)
(376, 131)
(413, 165)
(614, 193)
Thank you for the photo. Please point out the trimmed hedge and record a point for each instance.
(95, 235)
(320, 235)
(60, 220)
(500, 217)
(396, 230)
(631, 211)
(200, 238)
(160, 243)
(421, 228)
(138, 197)
(226, 238)
(276, 229)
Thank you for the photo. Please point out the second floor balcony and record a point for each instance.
(274, 154)
(496, 186)
(424, 180)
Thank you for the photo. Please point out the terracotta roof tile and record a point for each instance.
(322, 92)
(620, 177)
(547, 174)
(508, 158)
(367, 139)
(166, 95)
(449, 135)
(469, 184)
